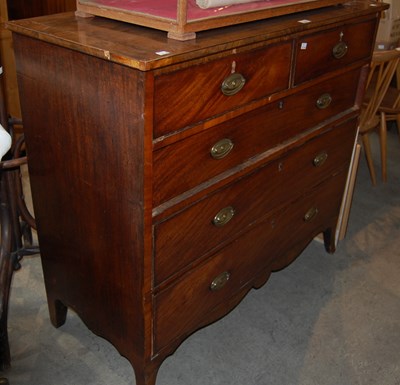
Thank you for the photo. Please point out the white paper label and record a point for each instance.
(162, 53)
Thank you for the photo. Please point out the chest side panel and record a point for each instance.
(84, 132)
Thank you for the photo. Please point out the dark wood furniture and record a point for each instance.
(15, 219)
(169, 178)
(21, 9)
(18, 9)
(16, 223)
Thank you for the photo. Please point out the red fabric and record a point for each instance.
(167, 8)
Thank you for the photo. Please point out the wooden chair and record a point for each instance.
(390, 105)
(383, 67)
(15, 220)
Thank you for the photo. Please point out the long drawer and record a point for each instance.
(183, 238)
(199, 92)
(187, 163)
(181, 307)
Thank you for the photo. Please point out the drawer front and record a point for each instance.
(181, 308)
(184, 165)
(326, 51)
(195, 93)
(184, 237)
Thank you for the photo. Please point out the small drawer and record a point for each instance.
(182, 307)
(183, 165)
(327, 51)
(183, 238)
(199, 92)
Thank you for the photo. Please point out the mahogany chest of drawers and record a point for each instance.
(169, 178)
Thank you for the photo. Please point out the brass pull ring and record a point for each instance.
(310, 214)
(223, 216)
(220, 281)
(324, 101)
(340, 50)
(233, 84)
(221, 149)
(320, 159)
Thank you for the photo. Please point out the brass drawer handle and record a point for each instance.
(220, 281)
(221, 149)
(324, 101)
(223, 216)
(340, 50)
(310, 214)
(320, 159)
(233, 84)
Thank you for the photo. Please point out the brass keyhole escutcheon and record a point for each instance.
(221, 149)
(310, 214)
(320, 159)
(223, 216)
(220, 281)
(324, 101)
(233, 84)
(340, 50)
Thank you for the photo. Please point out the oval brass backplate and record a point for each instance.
(220, 281)
(320, 159)
(340, 50)
(310, 214)
(221, 149)
(223, 216)
(233, 84)
(324, 101)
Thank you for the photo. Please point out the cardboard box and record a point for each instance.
(388, 36)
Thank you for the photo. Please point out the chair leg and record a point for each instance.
(398, 125)
(6, 272)
(383, 143)
(368, 156)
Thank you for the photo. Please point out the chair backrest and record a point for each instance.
(397, 101)
(5, 138)
(383, 67)
(3, 113)
(391, 102)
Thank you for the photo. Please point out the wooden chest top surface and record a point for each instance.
(146, 49)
